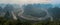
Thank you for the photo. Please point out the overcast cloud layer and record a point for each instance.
(30, 1)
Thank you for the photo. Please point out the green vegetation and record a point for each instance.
(4, 21)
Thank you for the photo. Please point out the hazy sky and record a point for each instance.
(29, 1)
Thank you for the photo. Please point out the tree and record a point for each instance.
(2, 20)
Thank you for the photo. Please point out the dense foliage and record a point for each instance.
(4, 21)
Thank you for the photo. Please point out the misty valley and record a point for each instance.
(30, 14)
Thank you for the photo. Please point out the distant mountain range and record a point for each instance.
(32, 9)
(35, 9)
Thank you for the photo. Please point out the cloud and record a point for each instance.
(25, 1)
(35, 1)
(56, 2)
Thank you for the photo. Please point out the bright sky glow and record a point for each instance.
(29, 1)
